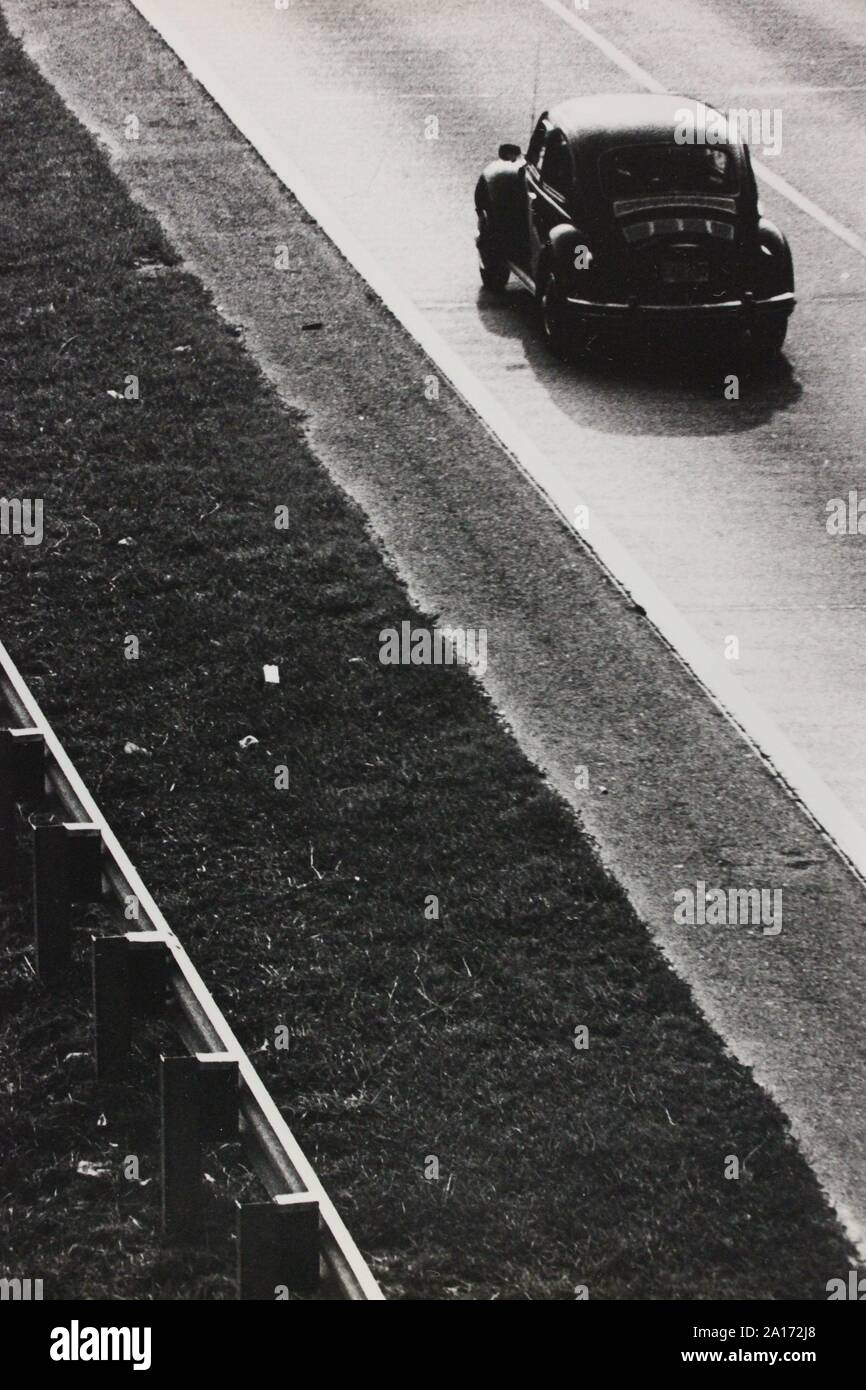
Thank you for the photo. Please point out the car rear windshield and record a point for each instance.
(640, 171)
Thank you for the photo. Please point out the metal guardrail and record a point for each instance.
(296, 1239)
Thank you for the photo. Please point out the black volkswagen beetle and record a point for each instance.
(631, 214)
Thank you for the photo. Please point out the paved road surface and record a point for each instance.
(723, 503)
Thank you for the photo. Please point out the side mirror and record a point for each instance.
(509, 152)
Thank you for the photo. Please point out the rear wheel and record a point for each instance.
(493, 266)
(554, 324)
(766, 340)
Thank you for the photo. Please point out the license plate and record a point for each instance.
(685, 272)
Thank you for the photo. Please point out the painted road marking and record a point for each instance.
(639, 74)
(819, 802)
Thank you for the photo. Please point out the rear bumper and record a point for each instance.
(737, 313)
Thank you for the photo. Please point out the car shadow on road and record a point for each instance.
(678, 391)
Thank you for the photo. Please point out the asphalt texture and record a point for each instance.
(722, 502)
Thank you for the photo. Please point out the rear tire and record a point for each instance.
(495, 270)
(766, 340)
(554, 323)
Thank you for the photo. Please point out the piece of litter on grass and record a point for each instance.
(272, 675)
(92, 1170)
(182, 347)
(134, 748)
(248, 740)
(305, 327)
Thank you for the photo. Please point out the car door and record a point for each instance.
(549, 190)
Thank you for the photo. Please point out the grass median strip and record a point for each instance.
(359, 859)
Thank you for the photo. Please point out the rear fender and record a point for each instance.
(774, 263)
(570, 257)
(565, 242)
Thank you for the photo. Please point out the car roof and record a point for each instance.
(618, 118)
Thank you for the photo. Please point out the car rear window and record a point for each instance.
(640, 171)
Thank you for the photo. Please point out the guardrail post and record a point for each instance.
(7, 811)
(28, 765)
(84, 858)
(51, 901)
(219, 1076)
(129, 975)
(182, 1206)
(22, 779)
(148, 972)
(112, 1023)
(278, 1246)
(67, 868)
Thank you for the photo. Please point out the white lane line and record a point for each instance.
(819, 802)
(610, 50)
(787, 190)
(646, 79)
(790, 89)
